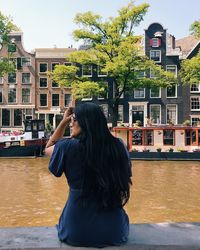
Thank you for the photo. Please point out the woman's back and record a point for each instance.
(82, 222)
(97, 168)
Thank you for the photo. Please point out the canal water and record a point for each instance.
(161, 192)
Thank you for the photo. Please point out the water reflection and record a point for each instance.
(162, 191)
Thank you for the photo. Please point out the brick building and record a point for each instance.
(17, 90)
(51, 100)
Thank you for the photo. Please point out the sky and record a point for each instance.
(49, 23)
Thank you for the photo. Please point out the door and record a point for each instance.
(138, 116)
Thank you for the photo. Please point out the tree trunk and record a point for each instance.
(115, 113)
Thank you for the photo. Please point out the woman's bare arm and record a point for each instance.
(59, 132)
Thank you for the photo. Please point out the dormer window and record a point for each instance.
(155, 42)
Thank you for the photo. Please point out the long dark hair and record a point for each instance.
(106, 167)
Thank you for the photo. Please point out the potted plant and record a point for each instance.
(134, 150)
(159, 149)
(182, 150)
(186, 123)
(145, 150)
(171, 150)
(138, 123)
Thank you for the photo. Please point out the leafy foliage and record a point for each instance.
(112, 45)
(195, 28)
(190, 68)
(6, 26)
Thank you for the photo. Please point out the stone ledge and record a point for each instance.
(162, 236)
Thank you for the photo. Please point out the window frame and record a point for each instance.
(167, 105)
(175, 92)
(191, 109)
(15, 95)
(39, 82)
(46, 99)
(29, 78)
(172, 65)
(153, 97)
(150, 56)
(53, 106)
(139, 97)
(83, 69)
(193, 91)
(29, 95)
(42, 72)
(174, 137)
(4, 126)
(150, 108)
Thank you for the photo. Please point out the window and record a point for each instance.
(191, 137)
(11, 77)
(101, 72)
(155, 55)
(55, 100)
(87, 70)
(172, 91)
(104, 94)
(19, 63)
(5, 117)
(140, 73)
(154, 73)
(68, 99)
(25, 95)
(26, 77)
(137, 136)
(26, 61)
(1, 80)
(43, 100)
(17, 117)
(55, 84)
(155, 114)
(139, 93)
(195, 121)
(41, 116)
(168, 137)
(195, 103)
(28, 114)
(172, 69)
(120, 113)
(1, 95)
(53, 65)
(104, 108)
(172, 113)
(68, 64)
(12, 47)
(155, 92)
(43, 82)
(43, 67)
(148, 137)
(12, 95)
(155, 42)
(194, 88)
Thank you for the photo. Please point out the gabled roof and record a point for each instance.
(187, 45)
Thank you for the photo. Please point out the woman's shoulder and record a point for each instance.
(67, 142)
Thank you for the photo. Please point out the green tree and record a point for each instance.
(6, 26)
(113, 46)
(190, 68)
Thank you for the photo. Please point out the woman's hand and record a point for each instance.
(67, 115)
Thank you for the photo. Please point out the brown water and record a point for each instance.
(162, 191)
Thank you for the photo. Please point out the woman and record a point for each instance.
(98, 171)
